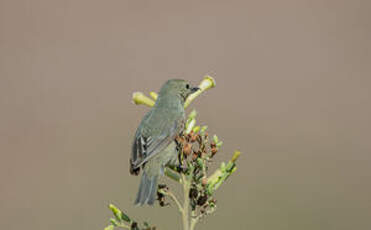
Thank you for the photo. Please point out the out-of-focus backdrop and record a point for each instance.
(293, 94)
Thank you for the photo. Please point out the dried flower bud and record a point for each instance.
(214, 150)
(187, 149)
(162, 203)
(194, 137)
(199, 139)
(190, 134)
(204, 181)
(179, 139)
(212, 144)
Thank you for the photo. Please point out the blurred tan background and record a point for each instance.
(293, 94)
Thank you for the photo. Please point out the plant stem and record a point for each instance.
(185, 214)
(124, 226)
(194, 221)
(173, 197)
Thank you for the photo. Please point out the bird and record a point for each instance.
(154, 146)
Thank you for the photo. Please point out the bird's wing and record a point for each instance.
(146, 146)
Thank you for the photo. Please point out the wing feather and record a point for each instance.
(145, 147)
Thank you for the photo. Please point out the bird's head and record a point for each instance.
(179, 88)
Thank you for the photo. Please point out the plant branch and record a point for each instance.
(124, 226)
(173, 197)
(194, 221)
(185, 214)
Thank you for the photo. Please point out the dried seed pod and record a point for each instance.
(212, 144)
(134, 226)
(162, 203)
(193, 193)
(160, 196)
(214, 150)
(162, 186)
(202, 200)
(194, 156)
(194, 137)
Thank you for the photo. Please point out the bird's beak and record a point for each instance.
(194, 89)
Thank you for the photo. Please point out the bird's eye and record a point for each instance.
(187, 86)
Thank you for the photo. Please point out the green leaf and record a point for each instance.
(196, 129)
(124, 217)
(114, 222)
(192, 115)
(172, 174)
(216, 139)
(203, 129)
(190, 125)
(109, 227)
(116, 212)
(200, 162)
(222, 167)
(120, 216)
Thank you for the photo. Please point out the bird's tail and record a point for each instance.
(147, 190)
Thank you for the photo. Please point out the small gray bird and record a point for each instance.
(154, 147)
